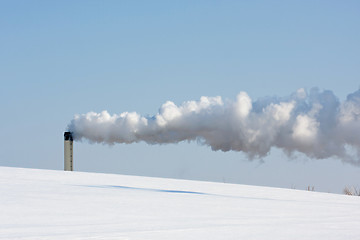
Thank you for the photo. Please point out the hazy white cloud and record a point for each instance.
(315, 123)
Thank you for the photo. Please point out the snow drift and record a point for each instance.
(44, 204)
(315, 123)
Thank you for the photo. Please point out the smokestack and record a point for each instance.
(68, 151)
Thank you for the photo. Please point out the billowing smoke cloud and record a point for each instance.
(315, 123)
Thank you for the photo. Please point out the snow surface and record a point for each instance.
(47, 204)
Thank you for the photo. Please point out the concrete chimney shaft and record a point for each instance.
(68, 151)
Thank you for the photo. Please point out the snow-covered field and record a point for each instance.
(46, 204)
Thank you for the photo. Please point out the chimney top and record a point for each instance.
(68, 136)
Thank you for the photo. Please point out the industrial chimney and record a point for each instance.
(68, 151)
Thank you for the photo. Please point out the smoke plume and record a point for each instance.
(314, 123)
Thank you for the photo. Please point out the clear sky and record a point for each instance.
(60, 58)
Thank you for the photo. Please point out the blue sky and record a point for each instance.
(60, 58)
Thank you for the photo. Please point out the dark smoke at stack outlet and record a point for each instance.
(313, 122)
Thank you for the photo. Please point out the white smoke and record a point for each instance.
(315, 123)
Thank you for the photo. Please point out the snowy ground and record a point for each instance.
(45, 204)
